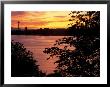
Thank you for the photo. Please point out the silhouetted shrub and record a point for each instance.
(22, 62)
(56, 73)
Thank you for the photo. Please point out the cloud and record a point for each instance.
(57, 21)
(37, 23)
(17, 13)
(60, 16)
(27, 14)
(30, 24)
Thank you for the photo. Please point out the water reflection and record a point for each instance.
(37, 44)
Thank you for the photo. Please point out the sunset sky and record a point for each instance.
(40, 19)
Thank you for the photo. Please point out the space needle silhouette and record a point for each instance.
(18, 25)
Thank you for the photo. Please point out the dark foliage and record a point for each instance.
(22, 62)
(87, 23)
(80, 55)
(55, 74)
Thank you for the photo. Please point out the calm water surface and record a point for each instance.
(37, 44)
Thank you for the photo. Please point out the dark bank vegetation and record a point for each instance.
(40, 32)
(22, 62)
(84, 60)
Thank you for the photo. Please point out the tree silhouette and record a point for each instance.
(82, 21)
(56, 73)
(22, 62)
(80, 55)
(85, 19)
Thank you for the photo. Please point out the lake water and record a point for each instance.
(37, 44)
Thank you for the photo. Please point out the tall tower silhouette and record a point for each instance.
(18, 25)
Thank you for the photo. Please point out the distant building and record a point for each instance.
(46, 28)
(25, 28)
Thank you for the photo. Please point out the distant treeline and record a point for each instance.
(55, 32)
(40, 32)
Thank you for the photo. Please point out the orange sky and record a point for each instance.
(40, 19)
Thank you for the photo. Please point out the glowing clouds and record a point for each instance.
(43, 19)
